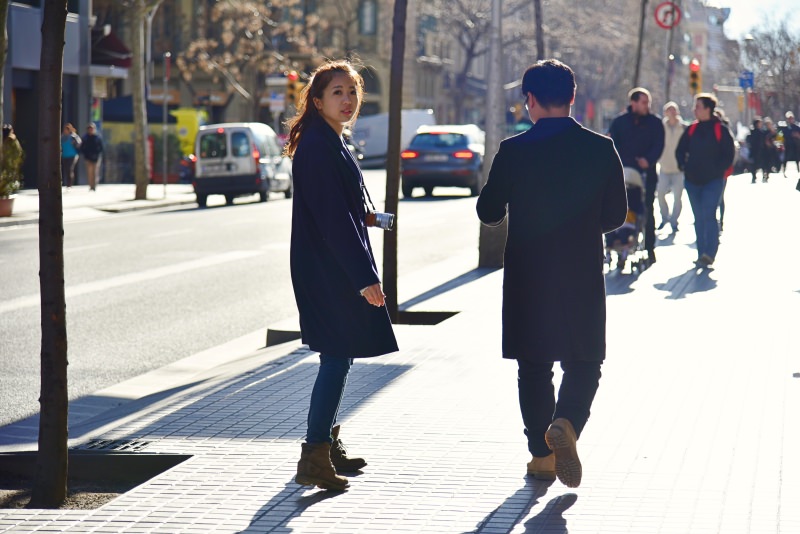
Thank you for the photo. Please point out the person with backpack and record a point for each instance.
(705, 152)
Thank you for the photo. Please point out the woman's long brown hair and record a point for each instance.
(307, 111)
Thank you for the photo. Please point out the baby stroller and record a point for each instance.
(626, 241)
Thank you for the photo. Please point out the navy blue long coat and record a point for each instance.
(561, 187)
(331, 256)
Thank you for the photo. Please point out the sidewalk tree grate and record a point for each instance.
(114, 445)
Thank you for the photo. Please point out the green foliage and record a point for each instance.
(10, 168)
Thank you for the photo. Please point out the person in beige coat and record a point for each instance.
(671, 177)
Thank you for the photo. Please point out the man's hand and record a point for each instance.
(643, 163)
(374, 295)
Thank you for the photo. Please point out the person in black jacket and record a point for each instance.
(705, 152)
(561, 187)
(639, 137)
(335, 279)
(757, 146)
(92, 152)
(791, 142)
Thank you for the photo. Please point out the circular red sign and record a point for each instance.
(668, 15)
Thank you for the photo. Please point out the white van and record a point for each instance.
(239, 158)
(371, 133)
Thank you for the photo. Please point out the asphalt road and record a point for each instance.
(144, 290)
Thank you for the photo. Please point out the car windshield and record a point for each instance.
(240, 144)
(439, 140)
(213, 145)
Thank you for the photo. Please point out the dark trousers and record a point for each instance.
(650, 185)
(538, 403)
(68, 171)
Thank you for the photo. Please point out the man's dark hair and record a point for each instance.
(708, 100)
(551, 82)
(636, 93)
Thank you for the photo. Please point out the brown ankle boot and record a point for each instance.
(315, 468)
(339, 457)
(561, 439)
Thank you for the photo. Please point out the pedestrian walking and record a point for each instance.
(670, 178)
(561, 187)
(335, 278)
(728, 172)
(70, 148)
(705, 152)
(92, 152)
(757, 148)
(639, 137)
(791, 140)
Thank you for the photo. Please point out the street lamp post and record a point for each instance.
(167, 62)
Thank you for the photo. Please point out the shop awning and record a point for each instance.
(108, 49)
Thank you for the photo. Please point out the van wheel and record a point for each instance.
(407, 191)
(201, 200)
(229, 199)
(289, 193)
(428, 190)
(263, 196)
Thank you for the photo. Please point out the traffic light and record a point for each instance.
(695, 77)
(293, 88)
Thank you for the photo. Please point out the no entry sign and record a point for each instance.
(668, 15)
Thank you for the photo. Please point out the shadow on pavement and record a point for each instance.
(692, 281)
(619, 283)
(275, 515)
(551, 519)
(458, 281)
(516, 508)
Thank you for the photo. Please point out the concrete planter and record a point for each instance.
(6, 206)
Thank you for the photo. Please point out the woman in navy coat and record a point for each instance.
(335, 279)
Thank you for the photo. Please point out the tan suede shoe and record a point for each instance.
(561, 439)
(543, 468)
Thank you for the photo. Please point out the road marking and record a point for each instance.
(133, 278)
(171, 233)
(85, 247)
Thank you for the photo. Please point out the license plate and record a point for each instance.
(217, 167)
(436, 157)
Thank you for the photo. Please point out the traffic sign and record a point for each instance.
(746, 79)
(668, 15)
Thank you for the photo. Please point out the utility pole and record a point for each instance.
(639, 45)
(492, 240)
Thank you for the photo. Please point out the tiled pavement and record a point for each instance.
(695, 428)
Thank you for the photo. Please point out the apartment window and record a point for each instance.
(368, 17)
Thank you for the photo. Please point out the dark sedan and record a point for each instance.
(443, 156)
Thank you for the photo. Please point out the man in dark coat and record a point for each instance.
(561, 187)
(639, 137)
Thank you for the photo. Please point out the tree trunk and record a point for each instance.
(50, 483)
(393, 155)
(3, 54)
(537, 11)
(492, 240)
(141, 162)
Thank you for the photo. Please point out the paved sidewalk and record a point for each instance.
(695, 428)
(81, 203)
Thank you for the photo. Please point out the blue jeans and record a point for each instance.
(326, 397)
(705, 200)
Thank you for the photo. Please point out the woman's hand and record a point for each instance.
(374, 295)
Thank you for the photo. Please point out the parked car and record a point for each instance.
(239, 158)
(371, 134)
(443, 156)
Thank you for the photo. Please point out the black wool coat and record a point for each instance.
(561, 187)
(331, 256)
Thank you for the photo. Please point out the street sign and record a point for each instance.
(277, 103)
(746, 79)
(668, 15)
